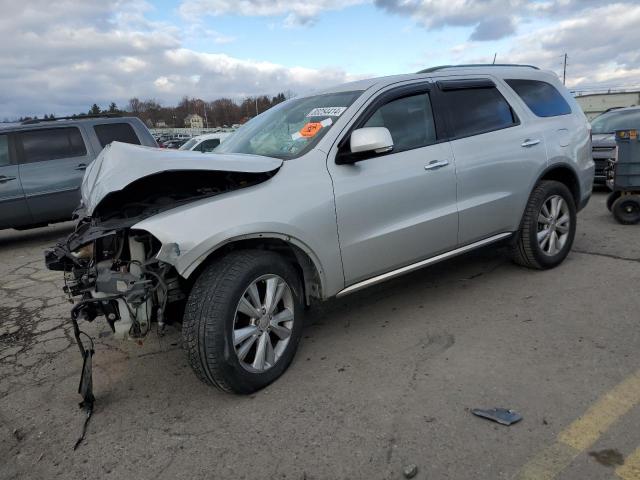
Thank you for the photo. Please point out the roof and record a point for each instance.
(498, 70)
(64, 121)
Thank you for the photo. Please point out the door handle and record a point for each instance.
(81, 166)
(530, 143)
(433, 164)
(5, 179)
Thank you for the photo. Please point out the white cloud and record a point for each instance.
(61, 60)
(297, 12)
(601, 44)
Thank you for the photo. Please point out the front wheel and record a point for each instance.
(548, 227)
(242, 323)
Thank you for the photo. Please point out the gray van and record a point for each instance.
(42, 163)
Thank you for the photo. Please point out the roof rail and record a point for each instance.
(442, 67)
(72, 117)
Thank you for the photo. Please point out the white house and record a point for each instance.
(193, 120)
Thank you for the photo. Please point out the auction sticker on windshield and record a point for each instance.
(326, 112)
(311, 129)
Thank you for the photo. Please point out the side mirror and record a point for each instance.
(371, 139)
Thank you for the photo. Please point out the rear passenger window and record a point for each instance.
(52, 144)
(116, 132)
(477, 110)
(541, 97)
(4, 151)
(409, 120)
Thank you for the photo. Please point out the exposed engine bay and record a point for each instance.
(111, 269)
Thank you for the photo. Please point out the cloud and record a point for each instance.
(597, 55)
(296, 12)
(490, 19)
(61, 60)
(493, 29)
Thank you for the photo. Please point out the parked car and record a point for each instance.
(322, 196)
(42, 163)
(205, 143)
(603, 128)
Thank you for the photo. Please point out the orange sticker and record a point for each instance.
(310, 129)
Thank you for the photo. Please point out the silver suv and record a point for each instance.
(320, 197)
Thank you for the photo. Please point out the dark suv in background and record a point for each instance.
(603, 128)
(42, 163)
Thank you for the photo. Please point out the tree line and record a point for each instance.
(215, 113)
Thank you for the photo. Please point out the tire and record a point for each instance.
(551, 251)
(611, 198)
(626, 209)
(215, 310)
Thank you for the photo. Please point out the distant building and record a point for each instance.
(593, 104)
(193, 121)
(161, 124)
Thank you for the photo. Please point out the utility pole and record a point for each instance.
(256, 106)
(494, 57)
(564, 70)
(206, 122)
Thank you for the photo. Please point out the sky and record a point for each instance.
(61, 57)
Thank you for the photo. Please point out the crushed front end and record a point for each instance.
(110, 270)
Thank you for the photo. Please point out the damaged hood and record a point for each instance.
(120, 164)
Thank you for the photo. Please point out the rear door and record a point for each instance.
(496, 155)
(13, 205)
(52, 164)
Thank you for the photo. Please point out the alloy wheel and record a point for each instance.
(554, 223)
(263, 323)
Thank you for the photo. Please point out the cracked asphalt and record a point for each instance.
(382, 379)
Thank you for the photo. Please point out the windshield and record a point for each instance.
(290, 129)
(616, 120)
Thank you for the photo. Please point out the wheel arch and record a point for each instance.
(296, 252)
(565, 174)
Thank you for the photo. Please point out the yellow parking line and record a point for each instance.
(631, 468)
(584, 432)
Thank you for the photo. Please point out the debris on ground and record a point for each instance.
(609, 457)
(410, 471)
(501, 415)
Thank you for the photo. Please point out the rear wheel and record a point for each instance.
(626, 209)
(548, 227)
(242, 323)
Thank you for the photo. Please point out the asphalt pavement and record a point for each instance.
(383, 378)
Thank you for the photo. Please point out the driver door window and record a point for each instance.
(409, 120)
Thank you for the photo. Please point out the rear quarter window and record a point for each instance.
(542, 98)
(116, 132)
(52, 144)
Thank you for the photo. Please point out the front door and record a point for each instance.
(397, 208)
